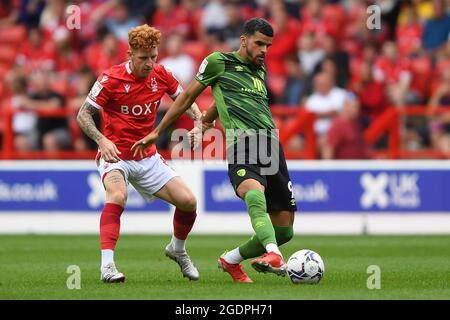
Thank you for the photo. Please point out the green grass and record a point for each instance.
(412, 267)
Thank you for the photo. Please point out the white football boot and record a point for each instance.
(109, 274)
(187, 267)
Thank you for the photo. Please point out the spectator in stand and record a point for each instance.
(356, 11)
(325, 36)
(24, 121)
(409, 33)
(437, 30)
(327, 65)
(340, 58)
(308, 55)
(370, 93)
(37, 53)
(440, 124)
(390, 10)
(367, 56)
(68, 60)
(53, 132)
(294, 87)
(213, 39)
(92, 14)
(9, 13)
(356, 32)
(232, 31)
(287, 30)
(345, 138)
(106, 52)
(180, 64)
(395, 72)
(84, 80)
(52, 17)
(283, 45)
(423, 9)
(314, 21)
(30, 12)
(183, 68)
(326, 102)
(442, 63)
(142, 10)
(170, 17)
(214, 16)
(121, 21)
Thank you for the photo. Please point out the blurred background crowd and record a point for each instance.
(324, 58)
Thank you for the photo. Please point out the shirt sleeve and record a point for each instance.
(99, 94)
(210, 69)
(173, 85)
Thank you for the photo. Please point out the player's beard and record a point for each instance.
(254, 58)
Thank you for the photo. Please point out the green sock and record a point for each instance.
(261, 223)
(253, 248)
(283, 234)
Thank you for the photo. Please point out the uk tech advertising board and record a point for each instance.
(356, 190)
(402, 187)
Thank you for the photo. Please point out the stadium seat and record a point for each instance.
(12, 35)
(7, 54)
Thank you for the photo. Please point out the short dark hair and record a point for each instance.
(257, 25)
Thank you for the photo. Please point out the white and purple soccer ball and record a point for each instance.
(305, 266)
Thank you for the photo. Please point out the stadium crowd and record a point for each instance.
(325, 57)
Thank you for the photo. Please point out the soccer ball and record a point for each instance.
(305, 266)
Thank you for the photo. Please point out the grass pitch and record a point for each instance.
(35, 267)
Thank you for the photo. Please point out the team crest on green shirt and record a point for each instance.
(239, 68)
(241, 172)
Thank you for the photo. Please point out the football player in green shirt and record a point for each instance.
(237, 80)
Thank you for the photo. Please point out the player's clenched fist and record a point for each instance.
(140, 146)
(109, 150)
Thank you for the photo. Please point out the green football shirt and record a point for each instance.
(239, 92)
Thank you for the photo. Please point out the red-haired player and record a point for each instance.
(129, 95)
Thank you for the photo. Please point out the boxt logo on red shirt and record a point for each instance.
(138, 110)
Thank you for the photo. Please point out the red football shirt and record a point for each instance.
(130, 104)
(390, 71)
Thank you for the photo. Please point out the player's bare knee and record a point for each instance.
(189, 203)
(118, 197)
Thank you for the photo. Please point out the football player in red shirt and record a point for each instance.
(129, 95)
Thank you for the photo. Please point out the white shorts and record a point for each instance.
(147, 176)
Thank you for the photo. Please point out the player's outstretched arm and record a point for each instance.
(178, 107)
(85, 119)
(193, 112)
(183, 102)
(211, 115)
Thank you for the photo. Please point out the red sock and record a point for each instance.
(182, 223)
(110, 225)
